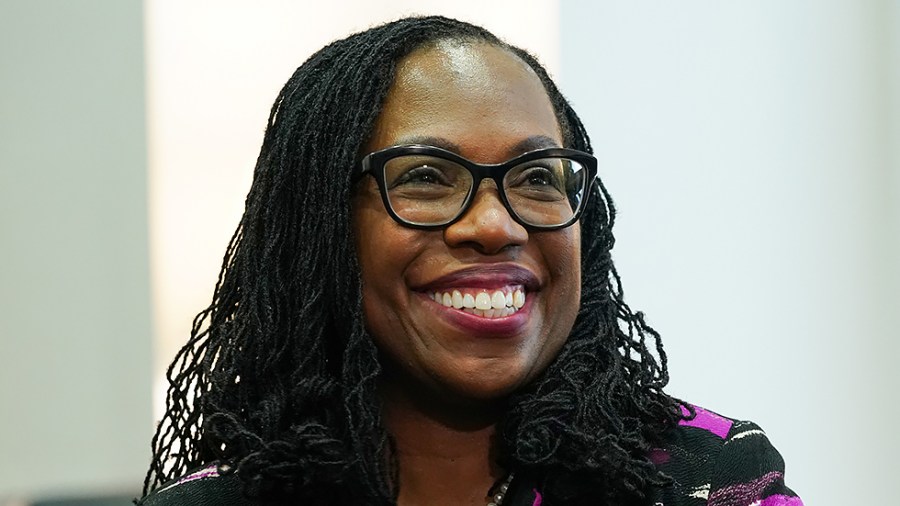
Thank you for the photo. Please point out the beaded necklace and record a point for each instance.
(500, 494)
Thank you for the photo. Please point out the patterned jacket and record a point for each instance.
(713, 460)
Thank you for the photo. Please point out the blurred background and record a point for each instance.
(752, 148)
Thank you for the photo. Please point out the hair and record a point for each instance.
(278, 379)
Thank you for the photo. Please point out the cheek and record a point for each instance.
(563, 257)
(565, 267)
(385, 250)
(385, 255)
(371, 230)
(366, 227)
(378, 302)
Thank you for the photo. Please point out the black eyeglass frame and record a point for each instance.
(479, 172)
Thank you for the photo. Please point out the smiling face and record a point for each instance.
(485, 104)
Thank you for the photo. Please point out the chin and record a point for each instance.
(485, 386)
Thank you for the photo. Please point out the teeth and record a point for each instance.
(492, 313)
(498, 300)
(497, 304)
(518, 299)
(457, 299)
(482, 301)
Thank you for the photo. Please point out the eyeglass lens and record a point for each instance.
(426, 189)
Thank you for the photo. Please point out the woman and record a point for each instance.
(419, 307)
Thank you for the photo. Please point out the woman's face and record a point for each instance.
(487, 105)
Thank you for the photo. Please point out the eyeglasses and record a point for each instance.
(430, 188)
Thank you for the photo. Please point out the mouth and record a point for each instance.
(485, 303)
(484, 291)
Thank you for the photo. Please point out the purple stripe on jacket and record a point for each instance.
(707, 420)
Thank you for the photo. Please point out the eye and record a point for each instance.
(535, 175)
(422, 175)
(421, 171)
(536, 181)
(540, 176)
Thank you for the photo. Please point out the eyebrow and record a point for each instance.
(531, 143)
(425, 140)
(534, 142)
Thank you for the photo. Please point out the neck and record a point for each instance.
(445, 452)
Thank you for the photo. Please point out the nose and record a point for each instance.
(486, 226)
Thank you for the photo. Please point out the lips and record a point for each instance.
(487, 277)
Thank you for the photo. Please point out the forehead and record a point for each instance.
(475, 95)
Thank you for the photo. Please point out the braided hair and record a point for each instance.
(278, 379)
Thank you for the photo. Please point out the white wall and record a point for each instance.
(74, 288)
(889, 349)
(748, 145)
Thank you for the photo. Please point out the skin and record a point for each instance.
(444, 385)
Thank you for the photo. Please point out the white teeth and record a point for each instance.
(498, 300)
(457, 299)
(491, 313)
(483, 301)
(497, 304)
(518, 299)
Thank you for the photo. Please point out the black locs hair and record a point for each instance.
(278, 379)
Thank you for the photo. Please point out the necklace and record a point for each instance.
(500, 491)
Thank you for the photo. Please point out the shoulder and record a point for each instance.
(203, 487)
(715, 461)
